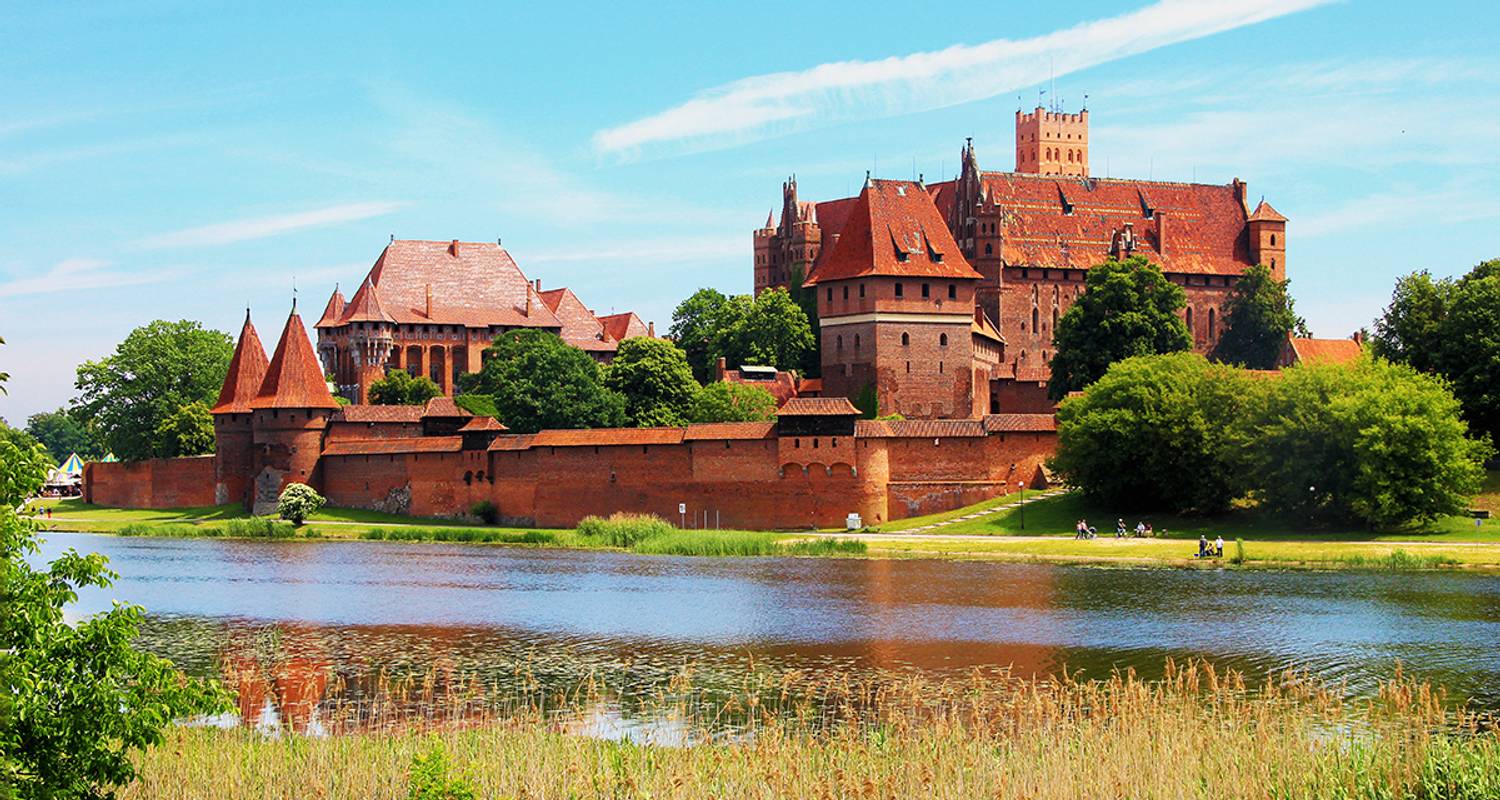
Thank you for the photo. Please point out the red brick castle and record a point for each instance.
(1009, 250)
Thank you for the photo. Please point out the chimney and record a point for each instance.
(1239, 192)
(538, 284)
(1161, 231)
(651, 329)
(720, 368)
(453, 248)
(429, 301)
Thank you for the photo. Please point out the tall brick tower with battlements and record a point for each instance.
(1052, 142)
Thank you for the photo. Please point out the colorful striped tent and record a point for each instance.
(73, 465)
(109, 458)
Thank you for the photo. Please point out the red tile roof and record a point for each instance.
(482, 424)
(1265, 213)
(812, 386)
(1326, 351)
(365, 307)
(443, 406)
(247, 370)
(783, 387)
(623, 326)
(1021, 423)
(598, 437)
(414, 444)
(475, 284)
(373, 413)
(1070, 222)
(519, 441)
(730, 430)
(893, 229)
(917, 428)
(294, 379)
(332, 312)
(982, 326)
(817, 407)
(580, 327)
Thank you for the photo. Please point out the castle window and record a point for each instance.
(1211, 325)
(861, 290)
(926, 290)
(943, 340)
(796, 444)
(856, 341)
(1273, 264)
(905, 340)
(940, 367)
(846, 292)
(1273, 240)
(988, 249)
(908, 368)
(898, 288)
(839, 345)
(1035, 320)
(815, 444)
(830, 294)
(953, 288)
(1190, 319)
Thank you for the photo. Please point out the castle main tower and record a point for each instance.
(1052, 143)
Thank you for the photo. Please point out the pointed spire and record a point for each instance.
(868, 182)
(294, 378)
(365, 307)
(247, 369)
(333, 313)
(771, 218)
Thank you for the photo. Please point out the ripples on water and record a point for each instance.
(310, 630)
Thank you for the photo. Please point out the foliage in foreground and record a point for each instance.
(77, 701)
(1373, 442)
(1197, 732)
(771, 330)
(721, 401)
(1258, 315)
(1128, 308)
(654, 378)
(537, 381)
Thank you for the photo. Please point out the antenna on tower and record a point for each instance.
(294, 294)
(1053, 69)
(1085, 101)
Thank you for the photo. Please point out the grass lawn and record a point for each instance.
(75, 515)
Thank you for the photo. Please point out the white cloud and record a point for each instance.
(264, 227)
(765, 105)
(81, 274)
(653, 250)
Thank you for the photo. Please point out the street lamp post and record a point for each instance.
(1022, 484)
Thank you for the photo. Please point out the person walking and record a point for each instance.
(1219, 545)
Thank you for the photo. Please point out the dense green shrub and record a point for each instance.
(486, 511)
(624, 530)
(173, 529)
(826, 547)
(431, 778)
(465, 535)
(298, 501)
(675, 542)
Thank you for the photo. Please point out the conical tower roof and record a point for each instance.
(333, 312)
(365, 307)
(247, 370)
(294, 378)
(1265, 213)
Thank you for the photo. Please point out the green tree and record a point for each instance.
(1410, 330)
(538, 381)
(1468, 347)
(1129, 309)
(77, 701)
(21, 439)
(63, 435)
(128, 395)
(297, 502)
(399, 388)
(1258, 315)
(1156, 433)
(701, 326)
(654, 378)
(774, 331)
(732, 402)
(188, 431)
(1374, 442)
(4, 376)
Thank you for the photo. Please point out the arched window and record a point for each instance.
(839, 343)
(1273, 264)
(1054, 320)
(942, 340)
(1035, 320)
(905, 339)
(1190, 319)
(846, 292)
(1273, 240)
(1211, 326)
(856, 341)
(898, 288)
(987, 249)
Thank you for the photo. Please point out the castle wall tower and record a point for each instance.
(1267, 231)
(976, 226)
(234, 447)
(289, 416)
(1052, 143)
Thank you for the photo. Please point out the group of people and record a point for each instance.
(1083, 531)
(1214, 550)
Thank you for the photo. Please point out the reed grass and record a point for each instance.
(465, 535)
(1197, 732)
(624, 530)
(182, 530)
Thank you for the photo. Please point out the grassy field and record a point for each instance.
(1196, 733)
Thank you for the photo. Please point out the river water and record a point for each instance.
(314, 617)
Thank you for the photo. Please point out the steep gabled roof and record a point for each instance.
(475, 284)
(443, 407)
(893, 230)
(294, 379)
(623, 326)
(817, 407)
(1265, 213)
(247, 370)
(580, 327)
(1325, 351)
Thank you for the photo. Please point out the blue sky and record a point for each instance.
(180, 160)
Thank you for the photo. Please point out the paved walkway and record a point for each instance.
(973, 515)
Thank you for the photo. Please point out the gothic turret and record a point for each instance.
(233, 438)
(291, 412)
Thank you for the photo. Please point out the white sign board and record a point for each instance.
(682, 508)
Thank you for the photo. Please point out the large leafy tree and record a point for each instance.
(701, 326)
(1129, 309)
(1375, 442)
(539, 381)
(399, 388)
(77, 700)
(1258, 315)
(63, 435)
(654, 378)
(188, 431)
(128, 395)
(1411, 327)
(1451, 328)
(775, 332)
(732, 402)
(1157, 433)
